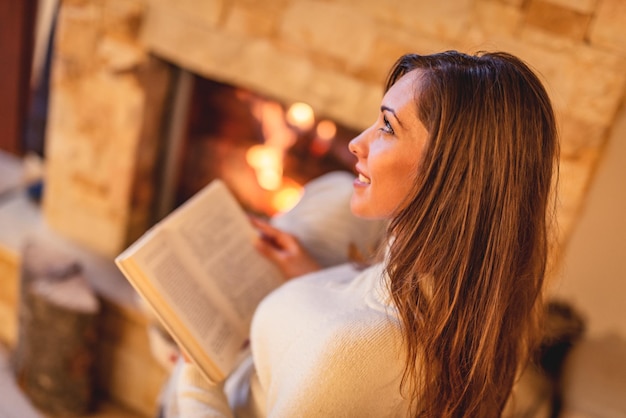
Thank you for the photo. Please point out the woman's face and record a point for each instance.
(389, 152)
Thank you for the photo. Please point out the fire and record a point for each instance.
(288, 196)
(280, 131)
(267, 162)
(301, 116)
(326, 130)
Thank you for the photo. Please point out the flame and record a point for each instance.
(288, 196)
(267, 159)
(276, 132)
(301, 116)
(324, 134)
(267, 162)
(326, 130)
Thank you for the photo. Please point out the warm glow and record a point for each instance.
(268, 178)
(301, 116)
(326, 130)
(276, 132)
(324, 134)
(267, 163)
(287, 197)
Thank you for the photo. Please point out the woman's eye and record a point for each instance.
(386, 126)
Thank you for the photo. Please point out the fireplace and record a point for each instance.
(110, 80)
(118, 67)
(265, 150)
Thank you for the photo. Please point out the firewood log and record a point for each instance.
(57, 332)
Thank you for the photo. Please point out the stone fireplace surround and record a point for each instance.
(112, 77)
(109, 90)
(113, 80)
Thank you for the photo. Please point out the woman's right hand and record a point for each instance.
(284, 250)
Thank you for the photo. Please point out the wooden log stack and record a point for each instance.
(56, 349)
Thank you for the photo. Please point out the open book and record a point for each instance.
(200, 273)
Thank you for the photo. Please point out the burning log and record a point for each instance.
(55, 354)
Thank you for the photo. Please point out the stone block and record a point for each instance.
(127, 371)
(78, 52)
(351, 102)
(383, 12)
(207, 12)
(181, 39)
(608, 28)
(556, 19)
(584, 82)
(583, 6)
(534, 35)
(254, 20)
(446, 20)
(290, 78)
(496, 18)
(550, 65)
(329, 28)
(579, 136)
(389, 44)
(220, 56)
(598, 84)
(272, 71)
(517, 3)
(123, 18)
(91, 148)
(119, 54)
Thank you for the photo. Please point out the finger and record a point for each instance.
(266, 249)
(275, 236)
(265, 229)
(260, 223)
(279, 247)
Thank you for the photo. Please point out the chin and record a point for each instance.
(357, 209)
(364, 211)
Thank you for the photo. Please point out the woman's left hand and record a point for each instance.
(284, 250)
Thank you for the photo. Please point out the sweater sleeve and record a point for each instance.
(195, 397)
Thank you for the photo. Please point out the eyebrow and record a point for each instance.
(393, 112)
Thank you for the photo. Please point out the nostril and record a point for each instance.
(351, 147)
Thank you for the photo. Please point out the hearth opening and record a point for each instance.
(265, 150)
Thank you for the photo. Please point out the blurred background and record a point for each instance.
(113, 112)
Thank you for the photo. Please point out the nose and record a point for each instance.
(357, 144)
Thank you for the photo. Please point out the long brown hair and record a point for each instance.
(469, 253)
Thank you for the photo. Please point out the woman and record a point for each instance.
(460, 161)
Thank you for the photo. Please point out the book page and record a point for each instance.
(219, 237)
(223, 247)
(190, 299)
(200, 263)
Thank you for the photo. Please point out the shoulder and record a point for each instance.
(330, 336)
(337, 315)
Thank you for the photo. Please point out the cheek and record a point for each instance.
(395, 169)
(395, 193)
(399, 183)
(390, 188)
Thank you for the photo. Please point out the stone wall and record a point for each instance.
(106, 108)
(331, 54)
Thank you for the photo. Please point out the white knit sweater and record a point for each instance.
(327, 344)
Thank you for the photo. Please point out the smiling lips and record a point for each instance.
(364, 179)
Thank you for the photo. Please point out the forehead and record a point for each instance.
(403, 91)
